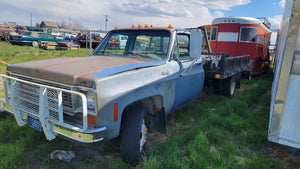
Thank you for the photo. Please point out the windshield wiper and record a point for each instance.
(136, 54)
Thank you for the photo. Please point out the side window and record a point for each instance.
(248, 34)
(213, 33)
(183, 44)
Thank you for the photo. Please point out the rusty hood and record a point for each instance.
(78, 71)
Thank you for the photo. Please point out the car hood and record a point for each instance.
(78, 71)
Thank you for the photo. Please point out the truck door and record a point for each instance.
(189, 83)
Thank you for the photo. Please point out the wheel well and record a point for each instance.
(152, 105)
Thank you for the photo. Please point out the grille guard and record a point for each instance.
(48, 109)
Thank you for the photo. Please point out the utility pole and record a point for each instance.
(106, 20)
(31, 19)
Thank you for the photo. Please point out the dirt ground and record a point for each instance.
(97, 153)
(110, 149)
(290, 156)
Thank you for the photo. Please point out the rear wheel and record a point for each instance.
(134, 135)
(229, 86)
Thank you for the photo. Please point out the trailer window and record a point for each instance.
(248, 35)
(228, 36)
(213, 33)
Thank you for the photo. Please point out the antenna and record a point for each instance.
(106, 20)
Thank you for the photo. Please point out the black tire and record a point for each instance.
(229, 86)
(133, 124)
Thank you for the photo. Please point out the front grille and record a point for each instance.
(28, 98)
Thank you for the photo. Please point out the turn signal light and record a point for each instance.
(217, 76)
(91, 120)
(115, 111)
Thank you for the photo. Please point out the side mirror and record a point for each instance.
(195, 44)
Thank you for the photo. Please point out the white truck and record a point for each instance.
(285, 102)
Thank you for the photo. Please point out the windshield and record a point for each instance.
(147, 44)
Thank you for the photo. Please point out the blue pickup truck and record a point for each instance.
(115, 91)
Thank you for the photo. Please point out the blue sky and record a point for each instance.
(257, 8)
(124, 13)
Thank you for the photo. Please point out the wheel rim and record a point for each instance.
(35, 44)
(144, 132)
(232, 88)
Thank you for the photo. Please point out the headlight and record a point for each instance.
(90, 97)
(90, 100)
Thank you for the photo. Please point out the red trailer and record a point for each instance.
(238, 36)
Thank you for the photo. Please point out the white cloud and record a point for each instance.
(220, 4)
(218, 14)
(282, 3)
(275, 21)
(123, 13)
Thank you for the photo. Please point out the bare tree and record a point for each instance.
(76, 26)
(62, 24)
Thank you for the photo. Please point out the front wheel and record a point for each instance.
(134, 135)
